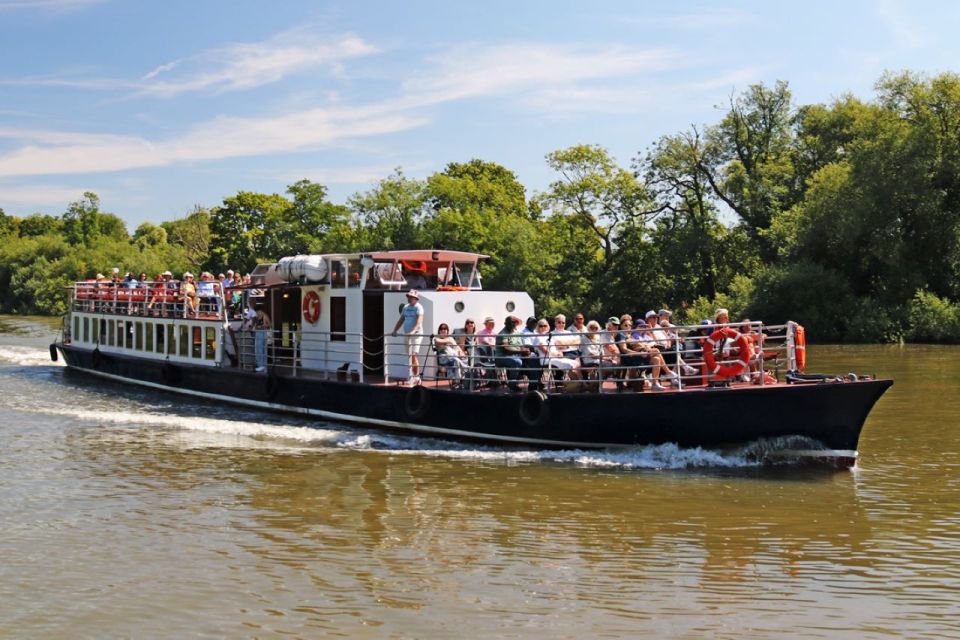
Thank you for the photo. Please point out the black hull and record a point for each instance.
(830, 413)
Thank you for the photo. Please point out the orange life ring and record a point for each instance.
(743, 359)
(311, 307)
(800, 347)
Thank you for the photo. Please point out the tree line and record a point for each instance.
(842, 216)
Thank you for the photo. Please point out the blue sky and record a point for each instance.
(159, 106)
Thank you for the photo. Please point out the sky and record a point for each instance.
(162, 106)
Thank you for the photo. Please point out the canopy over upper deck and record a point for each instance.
(415, 268)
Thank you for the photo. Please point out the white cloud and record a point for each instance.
(56, 152)
(547, 77)
(235, 67)
(248, 65)
(48, 5)
(30, 197)
(898, 18)
(524, 68)
(708, 20)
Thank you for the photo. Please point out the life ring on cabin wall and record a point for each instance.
(738, 366)
(800, 347)
(311, 307)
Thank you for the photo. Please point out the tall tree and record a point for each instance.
(600, 195)
(748, 160)
(244, 230)
(392, 212)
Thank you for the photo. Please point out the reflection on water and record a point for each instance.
(125, 513)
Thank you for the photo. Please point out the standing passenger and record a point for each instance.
(411, 317)
(261, 325)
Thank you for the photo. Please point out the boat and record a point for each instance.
(331, 354)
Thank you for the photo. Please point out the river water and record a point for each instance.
(128, 513)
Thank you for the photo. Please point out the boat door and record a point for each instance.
(373, 332)
(286, 324)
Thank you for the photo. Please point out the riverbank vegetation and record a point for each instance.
(844, 217)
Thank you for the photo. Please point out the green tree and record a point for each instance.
(246, 229)
(38, 224)
(392, 212)
(748, 163)
(314, 224)
(193, 234)
(602, 196)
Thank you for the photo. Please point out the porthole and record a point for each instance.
(510, 306)
(458, 307)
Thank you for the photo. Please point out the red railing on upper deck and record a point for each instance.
(166, 299)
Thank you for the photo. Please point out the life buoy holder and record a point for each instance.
(535, 409)
(311, 307)
(417, 402)
(800, 347)
(724, 371)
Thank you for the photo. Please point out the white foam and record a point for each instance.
(27, 356)
(244, 433)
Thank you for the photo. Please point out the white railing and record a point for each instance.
(348, 356)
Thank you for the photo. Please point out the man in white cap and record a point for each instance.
(411, 317)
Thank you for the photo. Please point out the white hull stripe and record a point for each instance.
(345, 417)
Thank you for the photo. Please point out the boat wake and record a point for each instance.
(247, 431)
(26, 356)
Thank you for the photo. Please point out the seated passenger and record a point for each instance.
(510, 351)
(551, 351)
(449, 353)
(191, 305)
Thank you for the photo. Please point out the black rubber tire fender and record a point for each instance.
(535, 409)
(416, 403)
(53, 352)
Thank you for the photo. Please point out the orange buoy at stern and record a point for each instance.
(800, 347)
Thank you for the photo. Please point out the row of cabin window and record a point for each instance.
(149, 337)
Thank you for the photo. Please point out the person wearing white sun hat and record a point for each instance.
(411, 317)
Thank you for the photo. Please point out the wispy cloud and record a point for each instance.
(522, 68)
(710, 19)
(234, 67)
(28, 197)
(898, 19)
(46, 5)
(243, 66)
(538, 76)
(56, 152)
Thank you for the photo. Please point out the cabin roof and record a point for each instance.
(431, 255)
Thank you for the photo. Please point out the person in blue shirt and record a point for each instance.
(411, 318)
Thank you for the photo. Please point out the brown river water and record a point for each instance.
(127, 513)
